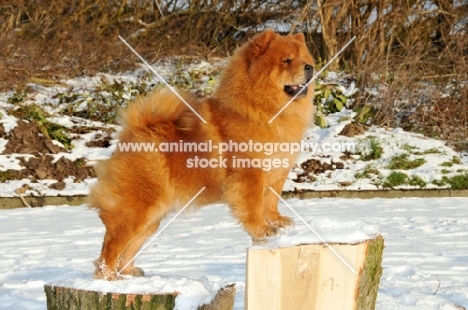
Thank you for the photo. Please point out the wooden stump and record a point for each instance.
(312, 277)
(59, 298)
(75, 299)
(224, 299)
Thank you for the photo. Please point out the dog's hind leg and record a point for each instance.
(132, 249)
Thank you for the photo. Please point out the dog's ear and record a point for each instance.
(260, 42)
(300, 37)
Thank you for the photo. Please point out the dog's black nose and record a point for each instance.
(308, 67)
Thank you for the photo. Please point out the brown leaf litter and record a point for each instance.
(313, 167)
(27, 138)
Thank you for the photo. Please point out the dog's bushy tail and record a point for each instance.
(155, 110)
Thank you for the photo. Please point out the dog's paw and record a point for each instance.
(103, 272)
(106, 275)
(134, 272)
(282, 221)
(263, 232)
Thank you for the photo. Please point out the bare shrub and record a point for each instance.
(416, 49)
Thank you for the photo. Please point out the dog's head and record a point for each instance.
(282, 60)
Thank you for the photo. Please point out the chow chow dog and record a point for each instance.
(136, 189)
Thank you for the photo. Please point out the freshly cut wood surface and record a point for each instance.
(312, 277)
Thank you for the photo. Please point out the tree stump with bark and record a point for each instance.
(59, 298)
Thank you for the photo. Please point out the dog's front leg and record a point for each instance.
(272, 215)
(244, 192)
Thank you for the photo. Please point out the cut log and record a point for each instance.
(312, 277)
(224, 299)
(59, 298)
(76, 299)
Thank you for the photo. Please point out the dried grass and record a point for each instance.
(410, 45)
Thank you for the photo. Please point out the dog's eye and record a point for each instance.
(287, 61)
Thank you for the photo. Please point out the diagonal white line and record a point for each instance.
(312, 80)
(160, 231)
(313, 230)
(162, 79)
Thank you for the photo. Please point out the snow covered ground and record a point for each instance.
(425, 260)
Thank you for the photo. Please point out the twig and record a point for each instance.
(300, 18)
(20, 191)
(438, 76)
(437, 286)
(159, 7)
(26, 204)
